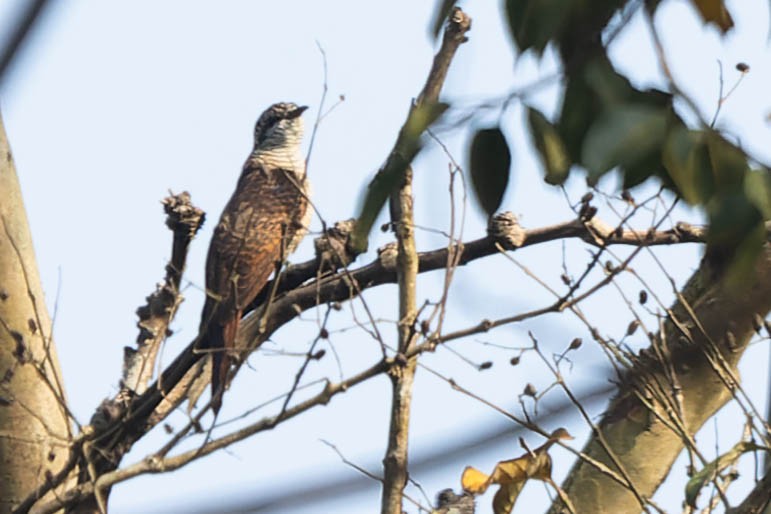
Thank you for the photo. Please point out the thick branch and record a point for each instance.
(98, 457)
(139, 418)
(340, 287)
(34, 417)
(759, 499)
(184, 220)
(677, 384)
(155, 464)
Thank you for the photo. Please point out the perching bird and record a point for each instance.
(262, 224)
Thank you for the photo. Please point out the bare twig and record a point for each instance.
(370, 475)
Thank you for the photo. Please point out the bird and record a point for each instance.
(262, 223)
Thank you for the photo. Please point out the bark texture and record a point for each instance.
(646, 426)
(34, 428)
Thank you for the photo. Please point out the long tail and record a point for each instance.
(219, 339)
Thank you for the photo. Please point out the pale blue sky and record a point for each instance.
(113, 103)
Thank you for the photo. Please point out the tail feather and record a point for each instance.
(220, 340)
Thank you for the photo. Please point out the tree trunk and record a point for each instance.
(34, 428)
(642, 426)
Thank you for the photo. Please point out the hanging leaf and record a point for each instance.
(623, 136)
(714, 11)
(533, 23)
(512, 475)
(587, 94)
(393, 171)
(490, 165)
(711, 470)
(686, 160)
(554, 155)
(729, 163)
(757, 187)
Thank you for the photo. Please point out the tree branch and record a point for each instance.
(184, 220)
(330, 287)
(759, 499)
(685, 376)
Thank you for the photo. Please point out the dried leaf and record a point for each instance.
(474, 481)
(714, 11)
(512, 475)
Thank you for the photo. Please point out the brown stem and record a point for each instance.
(402, 374)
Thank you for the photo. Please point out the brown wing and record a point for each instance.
(252, 235)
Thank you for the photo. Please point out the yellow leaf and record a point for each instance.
(506, 497)
(512, 474)
(474, 481)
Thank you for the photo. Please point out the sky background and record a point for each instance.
(111, 104)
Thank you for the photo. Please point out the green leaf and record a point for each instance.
(729, 164)
(610, 86)
(714, 11)
(420, 118)
(590, 91)
(533, 23)
(554, 155)
(732, 216)
(440, 15)
(580, 107)
(392, 174)
(757, 187)
(686, 160)
(710, 471)
(490, 164)
(736, 233)
(623, 136)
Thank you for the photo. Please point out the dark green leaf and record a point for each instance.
(611, 87)
(579, 109)
(490, 163)
(757, 187)
(624, 136)
(391, 175)
(736, 232)
(533, 23)
(729, 164)
(554, 155)
(594, 89)
(686, 159)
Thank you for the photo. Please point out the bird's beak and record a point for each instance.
(297, 112)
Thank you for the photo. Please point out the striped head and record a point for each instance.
(279, 128)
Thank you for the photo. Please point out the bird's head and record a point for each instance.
(280, 126)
